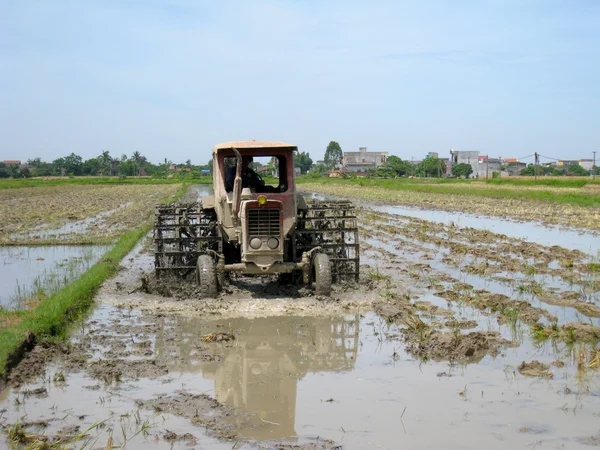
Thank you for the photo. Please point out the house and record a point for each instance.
(568, 162)
(174, 168)
(12, 162)
(461, 156)
(587, 164)
(486, 166)
(470, 157)
(363, 161)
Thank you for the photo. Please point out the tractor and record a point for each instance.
(256, 223)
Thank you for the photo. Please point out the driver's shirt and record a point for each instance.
(250, 179)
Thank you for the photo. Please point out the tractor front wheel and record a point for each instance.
(322, 274)
(206, 276)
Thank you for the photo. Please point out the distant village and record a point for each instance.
(359, 163)
(363, 163)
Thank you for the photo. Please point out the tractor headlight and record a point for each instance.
(273, 243)
(255, 243)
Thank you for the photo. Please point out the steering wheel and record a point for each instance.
(261, 182)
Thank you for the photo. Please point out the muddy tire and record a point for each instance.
(206, 276)
(322, 274)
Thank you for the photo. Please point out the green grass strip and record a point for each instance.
(584, 198)
(546, 181)
(52, 317)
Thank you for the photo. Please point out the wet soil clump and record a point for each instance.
(201, 409)
(470, 347)
(534, 369)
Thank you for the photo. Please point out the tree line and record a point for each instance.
(572, 170)
(125, 166)
(104, 164)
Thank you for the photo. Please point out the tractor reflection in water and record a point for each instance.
(258, 372)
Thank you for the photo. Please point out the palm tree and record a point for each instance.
(137, 159)
(105, 159)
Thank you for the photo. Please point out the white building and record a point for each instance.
(363, 161)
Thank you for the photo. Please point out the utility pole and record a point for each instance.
(500, 162)
(535, 164)
(594, 167)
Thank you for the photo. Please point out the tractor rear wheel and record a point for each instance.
(206, 276)
(322, 274)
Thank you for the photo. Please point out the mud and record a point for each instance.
(442, 315)
(569, 332)
(470, 347)
(534, 369)
(201, 410)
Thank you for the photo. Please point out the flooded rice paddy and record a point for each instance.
(76, 214)
(462, 334)
(30, 272)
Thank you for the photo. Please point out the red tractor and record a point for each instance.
(257, 224)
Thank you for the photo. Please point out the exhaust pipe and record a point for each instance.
(237, 188)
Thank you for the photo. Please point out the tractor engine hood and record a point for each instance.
(262, 222)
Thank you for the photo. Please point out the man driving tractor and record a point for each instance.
(250, 179)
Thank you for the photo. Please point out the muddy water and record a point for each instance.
(292, 379)
(26, 270)
(201, 189)
(585, 241)
(292, 369)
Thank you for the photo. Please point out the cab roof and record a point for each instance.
(253, 145)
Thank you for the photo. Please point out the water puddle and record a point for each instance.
(201, 189)
(28, 272)
(573, 239)
(586, 242)
(291, 378)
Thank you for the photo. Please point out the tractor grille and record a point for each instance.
(264, 222)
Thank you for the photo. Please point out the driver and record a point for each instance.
(250, 179)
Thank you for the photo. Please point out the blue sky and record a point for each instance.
(172, 78)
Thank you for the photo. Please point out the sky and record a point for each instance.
(172, 78)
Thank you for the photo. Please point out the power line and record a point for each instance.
(525, 157)
(547, 157)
